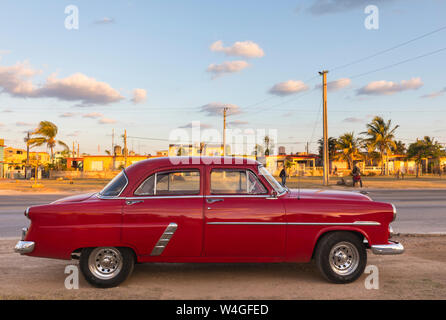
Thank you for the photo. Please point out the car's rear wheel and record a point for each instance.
(106, 267)
(341, 257)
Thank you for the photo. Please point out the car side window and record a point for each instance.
(232, 181)
(170, 183)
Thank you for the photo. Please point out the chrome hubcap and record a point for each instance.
(105, 263)
(344, 258)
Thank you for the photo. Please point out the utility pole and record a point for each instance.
(225, 109)
(27, 149)
(78, 149)
(74, 151)
(125, 148)
(325, 151)
(113, 141)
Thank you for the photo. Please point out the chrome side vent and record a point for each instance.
(164, 239)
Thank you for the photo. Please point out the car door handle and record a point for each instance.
(130, 202)
(213, 200)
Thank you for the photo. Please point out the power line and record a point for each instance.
(398, 63)
(389, 49)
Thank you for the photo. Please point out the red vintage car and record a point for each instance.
(208, 209)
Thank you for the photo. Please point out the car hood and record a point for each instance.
(76, 198)
(327, 194)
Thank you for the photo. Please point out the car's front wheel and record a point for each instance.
(106, 267)
(341, 257)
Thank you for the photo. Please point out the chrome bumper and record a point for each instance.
(391, 248)
(24, 247)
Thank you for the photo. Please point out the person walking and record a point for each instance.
(356, 173)
(282, 175)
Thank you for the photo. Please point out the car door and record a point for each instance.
(164, 216)
(241, 218)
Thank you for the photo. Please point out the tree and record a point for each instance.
(46, 133)
(348, 148)
(331, 147)
(400, 148)
(381, 137)
(423, 149)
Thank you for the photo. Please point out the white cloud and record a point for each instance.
(79, 87)
(24, 124)
(93, 115)
(435, 94)
(237, 123)
(288, 87)
(320, 7)
(16, 79)
(106, 121)
(336, 84)
(68, 115)
(246, 49)
(384, 87)
(216, 108)
(227, 67)
(202, 125)
(105, 20)
(139, 95)
(352, 119)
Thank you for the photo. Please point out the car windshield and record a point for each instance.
(272, 181)
(115, 186)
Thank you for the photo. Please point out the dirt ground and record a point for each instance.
(419, 273)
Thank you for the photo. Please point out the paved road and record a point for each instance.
(419, 211)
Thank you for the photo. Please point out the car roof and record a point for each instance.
(186, 161)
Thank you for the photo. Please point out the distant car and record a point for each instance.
(208, 209)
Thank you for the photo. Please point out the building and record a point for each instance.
(2, 159)
(297, 164)
(14, 162)
(97, 163)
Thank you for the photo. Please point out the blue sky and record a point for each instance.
(163, 49)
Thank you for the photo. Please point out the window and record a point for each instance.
(272, 181)
(115, 186)
(229, 181)
(170, 183)
(97, 166)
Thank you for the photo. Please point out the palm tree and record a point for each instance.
(423, 149)
(46, 134)
(348, 146)
(381, 137)
(400, 148)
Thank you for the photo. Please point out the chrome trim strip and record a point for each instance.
(164, 239)
(394, 212)
(183, 197)
(356, 223)
(386, 249)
